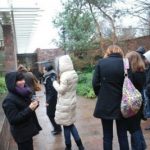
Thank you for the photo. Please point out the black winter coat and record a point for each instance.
(23, 121)
(51, 93)
(107, 84)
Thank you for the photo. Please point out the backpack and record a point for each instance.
(131, 101)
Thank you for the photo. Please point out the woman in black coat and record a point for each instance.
(107, 84)
(20, 111)
(51, 97)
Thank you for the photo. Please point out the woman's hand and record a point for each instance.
(46, 104)
(33, 105)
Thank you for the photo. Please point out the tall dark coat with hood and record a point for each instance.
(23, 121)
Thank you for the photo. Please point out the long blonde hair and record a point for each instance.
(136, 62)
(113, 49)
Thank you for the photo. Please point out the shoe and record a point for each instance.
(55, 132)
(147, 128)
(68, 147)
(79, 144)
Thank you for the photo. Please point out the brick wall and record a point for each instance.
(48, 54)
(10, 62)
(133, 44)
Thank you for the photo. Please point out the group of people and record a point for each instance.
(20, 106)
(60, 89)
(108, 83)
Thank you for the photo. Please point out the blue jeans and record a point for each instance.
(108, 134)
(137, 140)
(68, 130)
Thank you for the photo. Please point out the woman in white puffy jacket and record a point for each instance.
(66, 104)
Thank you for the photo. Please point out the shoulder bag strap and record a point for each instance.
(126, 66)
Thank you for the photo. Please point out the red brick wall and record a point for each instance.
(48, 54)
(133, 44)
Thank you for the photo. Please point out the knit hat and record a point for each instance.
(147, 55)
(141, 50)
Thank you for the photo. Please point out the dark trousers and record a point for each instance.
(108, 134)
(27, 145)
(68, 130)
(55, 125)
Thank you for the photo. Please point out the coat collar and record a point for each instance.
(115, 55)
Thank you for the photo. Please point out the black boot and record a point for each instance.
(68, 147)
(57, 128)
(79, 144)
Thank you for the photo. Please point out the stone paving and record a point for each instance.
(89, 129)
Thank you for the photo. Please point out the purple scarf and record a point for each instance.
(23, 91)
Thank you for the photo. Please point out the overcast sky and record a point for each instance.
(46, 32)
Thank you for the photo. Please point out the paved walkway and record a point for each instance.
(89, 129)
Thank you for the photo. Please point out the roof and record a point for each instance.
(24, 16)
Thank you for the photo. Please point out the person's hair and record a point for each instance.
(49, 68)
(22, 68)
(136, 62)
(113, 49)
(19, 76)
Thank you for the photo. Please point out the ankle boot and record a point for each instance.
(79, 144)
(68, 147)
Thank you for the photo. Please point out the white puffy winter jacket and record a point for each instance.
(66, 104)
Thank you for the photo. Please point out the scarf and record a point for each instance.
(47, 75)
(23, 91)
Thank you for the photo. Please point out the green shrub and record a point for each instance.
(84, 87)
(2, 85)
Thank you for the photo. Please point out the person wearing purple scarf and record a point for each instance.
(20, 111)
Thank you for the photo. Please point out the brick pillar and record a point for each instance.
(10, 63)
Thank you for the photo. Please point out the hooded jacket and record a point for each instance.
(66, 105)
(23, 121)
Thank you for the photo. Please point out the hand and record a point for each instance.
(33, 105)
(46, 104)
